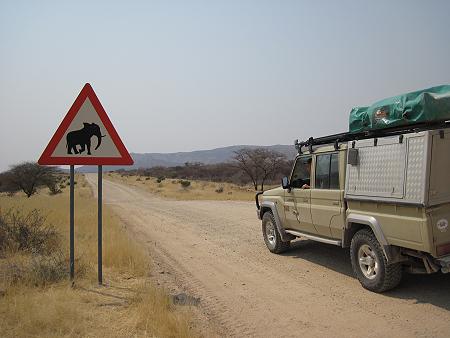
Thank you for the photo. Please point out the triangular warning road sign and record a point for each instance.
(86, 136)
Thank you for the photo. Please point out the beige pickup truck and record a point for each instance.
(387, 198)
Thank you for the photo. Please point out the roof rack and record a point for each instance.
(348, 136)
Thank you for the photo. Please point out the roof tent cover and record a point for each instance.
(428, 105)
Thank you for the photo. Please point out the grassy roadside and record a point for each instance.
(197, 190)
(33, 304)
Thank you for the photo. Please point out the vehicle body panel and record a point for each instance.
(402, 225)
(297, 208)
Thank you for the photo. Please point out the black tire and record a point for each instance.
(379, 278)
(273, 242)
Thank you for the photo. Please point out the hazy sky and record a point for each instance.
(189, 75)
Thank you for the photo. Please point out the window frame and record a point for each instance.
(299, 158)
(331, 153)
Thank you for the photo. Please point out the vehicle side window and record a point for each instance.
(327, 171)
(302, 172)
(334, 171)
(323, 171)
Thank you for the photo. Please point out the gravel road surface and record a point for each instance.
(214, 250)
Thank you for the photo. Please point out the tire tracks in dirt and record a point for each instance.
(214, 251)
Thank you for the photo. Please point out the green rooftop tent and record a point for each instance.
(428, 105)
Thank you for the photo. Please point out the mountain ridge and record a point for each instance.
(208, 156)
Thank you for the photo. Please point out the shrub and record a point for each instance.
(31, 250)
(138, 179)
(54, 188)
(37, 270)
(48, 269)
(28, 233)
(147, 178)
(185, 184)
(160, 179)
(219, 190)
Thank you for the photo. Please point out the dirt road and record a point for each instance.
(215, 251)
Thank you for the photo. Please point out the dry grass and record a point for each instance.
(119, 251)
(164, 323)
(126, 306)
(197, 190)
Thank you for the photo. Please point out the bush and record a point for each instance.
(185, 184)
(48, 269)
(147, 178)
(31, 250)
(160, 179)
(36, 270)
(27, 233)
(219, 190)
(54, 188)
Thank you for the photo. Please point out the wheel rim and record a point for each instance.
(270, 233)
(368, 261)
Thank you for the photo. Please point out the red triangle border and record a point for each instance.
(86, 92)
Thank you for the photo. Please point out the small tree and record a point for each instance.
(259, 164)
(29, 176)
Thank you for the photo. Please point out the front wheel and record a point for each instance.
(271, 235)
(370, 264)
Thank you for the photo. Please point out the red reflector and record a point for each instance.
(442, 250)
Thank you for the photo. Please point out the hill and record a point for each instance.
(211, 156)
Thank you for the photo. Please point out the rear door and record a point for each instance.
(327, 196)
(298, 200)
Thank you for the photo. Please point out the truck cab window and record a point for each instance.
(302, 172)
(334, 171)
(327, 171)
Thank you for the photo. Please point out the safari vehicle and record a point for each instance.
(383, 194)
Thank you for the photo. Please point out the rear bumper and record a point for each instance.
(444, 262)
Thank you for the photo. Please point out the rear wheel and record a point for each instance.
(271, 235)
(370, 264)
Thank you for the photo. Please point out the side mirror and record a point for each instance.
(285, 183)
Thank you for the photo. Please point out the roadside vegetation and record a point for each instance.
(185, 189)
(28, 177)
(36, 297)
(249, 171)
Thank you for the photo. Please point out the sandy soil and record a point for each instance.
(214, 250)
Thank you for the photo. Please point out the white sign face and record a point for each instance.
(84, 134)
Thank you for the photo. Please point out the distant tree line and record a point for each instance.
(258, 167)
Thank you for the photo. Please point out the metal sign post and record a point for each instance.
(72, 227)
(71, 145)
(99, 202)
